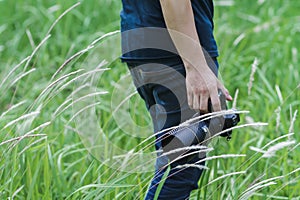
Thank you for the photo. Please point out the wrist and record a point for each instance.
(196, 68)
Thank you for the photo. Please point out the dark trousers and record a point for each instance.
(162, 86)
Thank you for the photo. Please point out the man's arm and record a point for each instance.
(201, 82)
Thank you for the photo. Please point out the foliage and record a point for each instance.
(43, 155)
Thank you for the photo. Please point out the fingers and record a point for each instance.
(225, 92)
(196, 102)
(215, 101)
(199, 92)
(190, 98)
(199, 101)
(193, 101)
(203, 103)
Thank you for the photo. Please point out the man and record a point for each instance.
(171, 52)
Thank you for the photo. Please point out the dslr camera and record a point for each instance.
(199, 131)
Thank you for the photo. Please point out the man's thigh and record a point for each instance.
(164, 85)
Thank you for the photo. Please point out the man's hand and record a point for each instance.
(200, 87)
(201, 82)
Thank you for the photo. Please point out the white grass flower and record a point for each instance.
(12, 108)
(34, 51)
(221, 156)
(235, 98)
(277, 111)
(279, 138)
(13, 70)
(20, 138)
(257, 149)
(249, 193)
(291, 129)
(16, 79)
(294, 54)
(185, 149)
(192, 165)
(251, 79)
(226, 175)
(61, 16)
(273, 149)
(26, 116)
(279, 94)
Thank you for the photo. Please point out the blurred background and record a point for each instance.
(44, 50)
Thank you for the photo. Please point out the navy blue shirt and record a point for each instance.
(144, 35)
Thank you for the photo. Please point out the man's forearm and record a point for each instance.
(179, 19)
(201, 82)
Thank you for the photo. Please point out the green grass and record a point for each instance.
(43, 154)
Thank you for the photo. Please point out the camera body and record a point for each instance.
(218, 124)
(198, 132)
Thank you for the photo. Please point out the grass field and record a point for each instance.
(57, 94)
